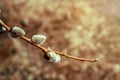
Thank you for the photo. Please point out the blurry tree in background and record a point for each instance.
(81, 28)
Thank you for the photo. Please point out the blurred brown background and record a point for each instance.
(82, 28)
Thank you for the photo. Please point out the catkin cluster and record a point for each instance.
(16, 32)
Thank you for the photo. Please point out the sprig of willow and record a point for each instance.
(45, 50)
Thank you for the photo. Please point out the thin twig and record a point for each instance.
(46, 49)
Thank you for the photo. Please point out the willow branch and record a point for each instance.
(45, 50)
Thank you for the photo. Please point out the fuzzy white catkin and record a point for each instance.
(3, 29)
(54, 57)
(17, 32)
(39, 39)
